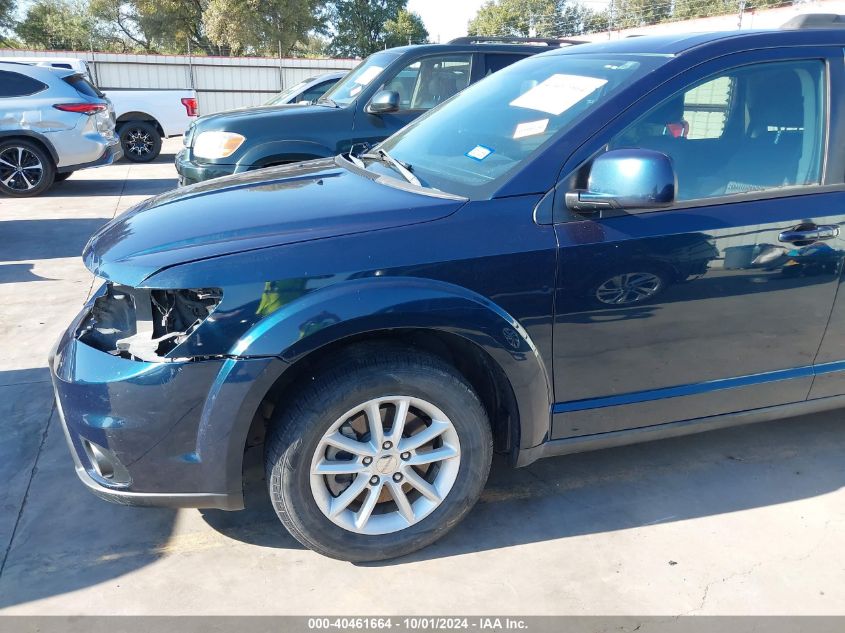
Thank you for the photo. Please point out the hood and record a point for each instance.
(224, 120)
(258, 209)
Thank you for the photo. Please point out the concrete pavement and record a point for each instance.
(742, 521)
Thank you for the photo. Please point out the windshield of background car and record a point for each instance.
(285, 95)
(473, 140)
(347, 89)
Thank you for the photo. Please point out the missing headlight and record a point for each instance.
(143, 324)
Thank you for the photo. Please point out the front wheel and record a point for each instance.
(140, 140)
(379, 456)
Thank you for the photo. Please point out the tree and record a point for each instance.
(58, 24)
(259, 26)
(625, 14)
(576, 19)
(406, 28)
(360, 25)
(7, 18)
(517, 18)
(536, 18)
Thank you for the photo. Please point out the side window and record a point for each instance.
(431, 80)
(706, 108)
(495, 62)
(752, 128)
(315, 92)
(17, 85)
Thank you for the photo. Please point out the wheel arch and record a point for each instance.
(482, 341)
(33, 137)
(280, 152)
(137, 115)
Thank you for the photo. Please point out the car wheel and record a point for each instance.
(63, 176)
(379, 456)
(25, 169)
(140, 140)
(638, 285)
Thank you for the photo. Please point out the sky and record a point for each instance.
(445, 19)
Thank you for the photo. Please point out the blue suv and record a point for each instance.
(598, 245)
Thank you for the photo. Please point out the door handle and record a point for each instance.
(809, 235)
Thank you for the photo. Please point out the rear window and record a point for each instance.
(17, 85)
(83, 86)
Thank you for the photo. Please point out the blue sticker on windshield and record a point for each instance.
(479, 152)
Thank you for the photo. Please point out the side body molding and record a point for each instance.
(360, 306)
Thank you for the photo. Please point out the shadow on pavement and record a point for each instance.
(614, 489)
(22, 240)
(66, 538)
(70, 540)
(24, 376)
(15, 273)
(85, 187)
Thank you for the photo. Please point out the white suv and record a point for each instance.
(52, 122)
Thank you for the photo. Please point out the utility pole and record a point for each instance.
(281, 69)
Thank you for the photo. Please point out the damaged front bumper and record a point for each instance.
(165, 432)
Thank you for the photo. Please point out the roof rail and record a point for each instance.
(815, 21)
(490, 39)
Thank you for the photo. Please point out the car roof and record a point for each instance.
(481, 47)
(37, 72)
(679, 43)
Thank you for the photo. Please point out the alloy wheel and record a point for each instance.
(138, 142)
(628, 288)
(385, 465)
(20, 168)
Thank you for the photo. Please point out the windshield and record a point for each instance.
(477, 137)
(285, 95)
(347, 89)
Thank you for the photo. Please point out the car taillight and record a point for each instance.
(190, 104)
(81, 108)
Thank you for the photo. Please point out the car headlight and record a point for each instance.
(217, 144)
(144, 324)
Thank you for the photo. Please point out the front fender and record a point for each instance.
(268, 153)
(383, 303)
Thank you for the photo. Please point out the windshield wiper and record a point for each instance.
(403, 168)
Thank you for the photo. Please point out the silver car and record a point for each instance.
(53, 121)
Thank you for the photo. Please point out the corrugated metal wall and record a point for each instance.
(221, 83)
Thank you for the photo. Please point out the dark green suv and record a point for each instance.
(384, 93)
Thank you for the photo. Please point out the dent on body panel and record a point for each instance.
(31, 119)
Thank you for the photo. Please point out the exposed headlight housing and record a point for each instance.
(215, 145)
(143, 324)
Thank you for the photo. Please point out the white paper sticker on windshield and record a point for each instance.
(558, 93)
(479, 152)
(355, 90)
(530, 128)
(368, 75)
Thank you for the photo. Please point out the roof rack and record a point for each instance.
(488, 39)
(815, 21)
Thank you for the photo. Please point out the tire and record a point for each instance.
(636, 284)
(384, 377)
(25, 169)
(140, 140)
(63, 176)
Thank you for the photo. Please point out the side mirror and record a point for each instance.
(383, 102)
(626, 179)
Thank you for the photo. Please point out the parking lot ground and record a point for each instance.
(741, 521)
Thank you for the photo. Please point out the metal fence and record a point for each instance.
(742, 19)
(221, 83)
